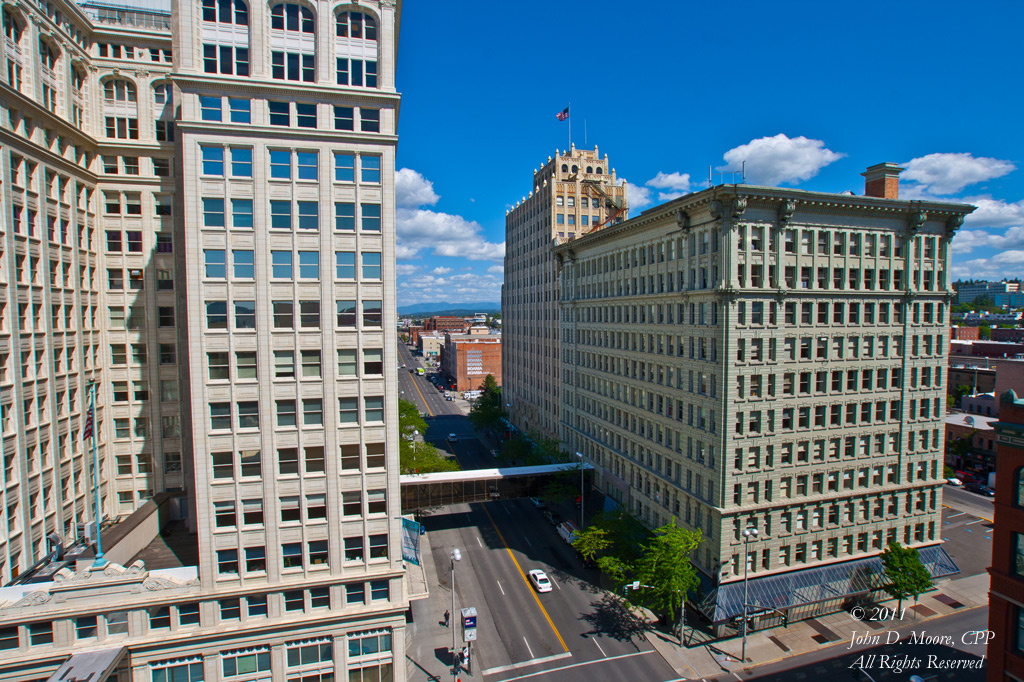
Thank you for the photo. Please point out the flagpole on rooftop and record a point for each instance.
(99, 561)
(569, 109)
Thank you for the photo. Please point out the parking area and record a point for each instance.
(968, 539)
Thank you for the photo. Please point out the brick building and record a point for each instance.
(957, 333)
(441, 323)
(1013, 335)
(1006, 597)
(467, 359)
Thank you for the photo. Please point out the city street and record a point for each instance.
(575, 631)
(966, 501)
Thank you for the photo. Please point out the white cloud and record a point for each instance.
(412, 190)
(444, 234)
(966, 241)
(1002, 265)
(948, 173)
(636, 196)
(496, 270)
(676, 185)
(440, 271)
(406, 269)
(780, 159)
(994, 212)
(464, 286)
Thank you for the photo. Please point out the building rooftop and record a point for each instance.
(976, 421)
(173, 547)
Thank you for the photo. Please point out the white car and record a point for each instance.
(953, 480)
(540, 580)
(452, 438)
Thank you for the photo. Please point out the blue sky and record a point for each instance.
(808, 93)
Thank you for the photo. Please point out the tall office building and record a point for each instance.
(199, 217)
(574, 193)
(755, 357)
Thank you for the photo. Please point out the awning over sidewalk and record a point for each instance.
(810, 586)
(89, 666)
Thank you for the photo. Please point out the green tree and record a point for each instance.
(958, 392)
(591, 541)
(665, 566)
(905, 575)
(410, 419)
(984, 332)
(487, 411)
(423, 458)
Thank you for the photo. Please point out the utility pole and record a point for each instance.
(748, 533)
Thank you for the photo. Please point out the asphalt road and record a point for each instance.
(968, 541)
(575, 632)
(966, 501)
(840, 663)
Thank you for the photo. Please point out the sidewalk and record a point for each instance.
(769, 646)
(427, 641)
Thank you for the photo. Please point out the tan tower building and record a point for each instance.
(763, 358)
(199, 217)
(573, 194)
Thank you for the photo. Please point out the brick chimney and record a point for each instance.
(882, 180)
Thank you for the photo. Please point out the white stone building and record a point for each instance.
(199, 217)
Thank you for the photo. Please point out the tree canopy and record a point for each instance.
(415, 457)
(905, 575)
(487, 411)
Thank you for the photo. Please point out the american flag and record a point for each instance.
(563, 114)
(87, 430)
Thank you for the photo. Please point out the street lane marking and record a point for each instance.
(522, 575)
(528, 646)
(526, 664)
(594, 640)
(577, 665)
(554, 583)
(425, 405)
(969, 523)
(482, 544)
(952, 516)
(500, 587)
(528, 541)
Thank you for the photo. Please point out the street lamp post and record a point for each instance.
(456, 556)
(580, 455)
(748, 533)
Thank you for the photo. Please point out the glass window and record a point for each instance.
(213, 160)
(371, 217)
(248, 415)
(344, 167)
(348, 410)
(281, 264)
(284, 314)
(241, 213)
(347, 362)
(372, 313)
(309, 314)
(346, 264)
(210, 108)
(245, 315)
(244, 264)
(374, 409)
(217, 315)
(280, 164)
(241, 162)
(286, 413)
(371, 265)
(306, 165)
(369, 169)
(309, 265)
(280, 113)
(240, 109)
(213, 213)
(309, 214)
(216, 265)
(347, 314)
(369, 120)
(281, 215)
(305, 115)
(344, 118)
(345, 216)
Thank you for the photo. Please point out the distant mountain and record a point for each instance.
(446, 308)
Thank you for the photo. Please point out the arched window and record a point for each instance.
(78, 81)
(574, 169)
(48, 57)
(565, 168)
(226, 37)
(590, 169)
(163, 98)
(12, 32)
(355, 45)
(599, 171)
(121, 109)
(292, 42)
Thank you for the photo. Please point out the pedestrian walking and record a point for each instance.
(447, 615)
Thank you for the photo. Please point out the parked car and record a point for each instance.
(554, 518)
(538, 503)
(540, 580)
(953, 480)
(975, 487)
